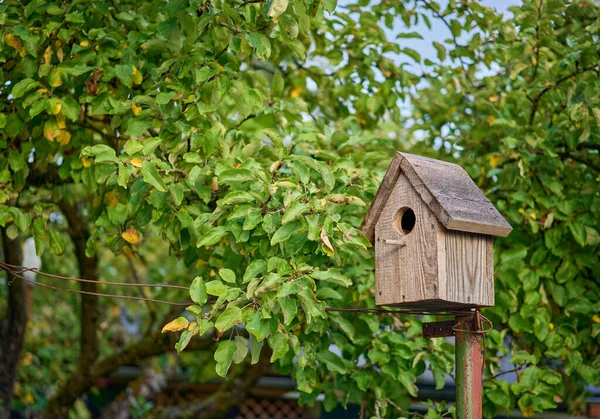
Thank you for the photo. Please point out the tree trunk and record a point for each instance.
(12, 326)
(75, 385)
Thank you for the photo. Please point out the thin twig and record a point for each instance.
(443, 19)
(536, 100)
(537, 37)
(500, 374)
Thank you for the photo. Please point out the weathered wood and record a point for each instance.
(383, 193)
(406, 273)
(447, 190)
(469, 279)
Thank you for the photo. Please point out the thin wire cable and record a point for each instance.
(10, 268)
(98, 294)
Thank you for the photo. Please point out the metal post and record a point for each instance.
(468, 368)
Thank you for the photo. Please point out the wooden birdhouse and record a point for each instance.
(432, 229)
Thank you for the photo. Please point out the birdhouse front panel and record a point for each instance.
(406, 248)
(432, 229)
(469, 268)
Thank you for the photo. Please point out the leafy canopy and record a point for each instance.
(249, 138)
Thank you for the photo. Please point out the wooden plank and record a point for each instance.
(407, 273)
(381, 197)
(454, 198)
(469, 279)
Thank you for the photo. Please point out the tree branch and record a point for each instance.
(536, 100)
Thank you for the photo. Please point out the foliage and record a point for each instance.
(249, 138)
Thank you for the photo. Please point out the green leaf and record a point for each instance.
(16, 161)
(70, 108)
(441, 51)
(257, 266)
(212, 236)
(255, 348)
(279, 343)
(241, 349)
(260, 43)
(332, 361)
(224, 356)
(198, 291)
(284, 232)
(236, 175)
(277, 8)
(332, 275)
(152, 177)
(228, 275)
(310, 305)
(294, 211)
(231, 316)
(216, 288)
(23, 87)
(125, 74)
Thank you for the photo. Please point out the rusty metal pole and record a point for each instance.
(468, 368)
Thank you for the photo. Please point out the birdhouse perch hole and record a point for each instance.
(404, 220)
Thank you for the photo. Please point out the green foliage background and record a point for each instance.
(243, 141)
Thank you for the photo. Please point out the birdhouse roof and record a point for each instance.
(446, 189)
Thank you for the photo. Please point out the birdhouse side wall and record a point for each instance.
(409, 273)
(469, 267)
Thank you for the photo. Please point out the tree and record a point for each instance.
(240, 142)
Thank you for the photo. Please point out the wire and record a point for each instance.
(98, 294)
(10, 268)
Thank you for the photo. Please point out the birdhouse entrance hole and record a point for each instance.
(404, 220)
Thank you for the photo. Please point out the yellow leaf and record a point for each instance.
(135, 109)
(533, 216)
(495, 160)
(179, 323)
(54, 78)
(110, 200)
(27, 359)
(296, 91)
(136, 162)
(60, 54)
(60, 120)
(596, 318)
(137, 76)
(131, 236)
(64, 137)
(55, 106)
(493, 99)
(527, 411)
(14, 42)
(490, 119)
(48, 55)
(327, 247)
(84, 44)
(51, 130)
(86, 162)
(28, 399)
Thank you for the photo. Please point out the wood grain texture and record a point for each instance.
(406, 274)
(469, 268)
(381, 197)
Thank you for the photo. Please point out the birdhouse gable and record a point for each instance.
(448, 192)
